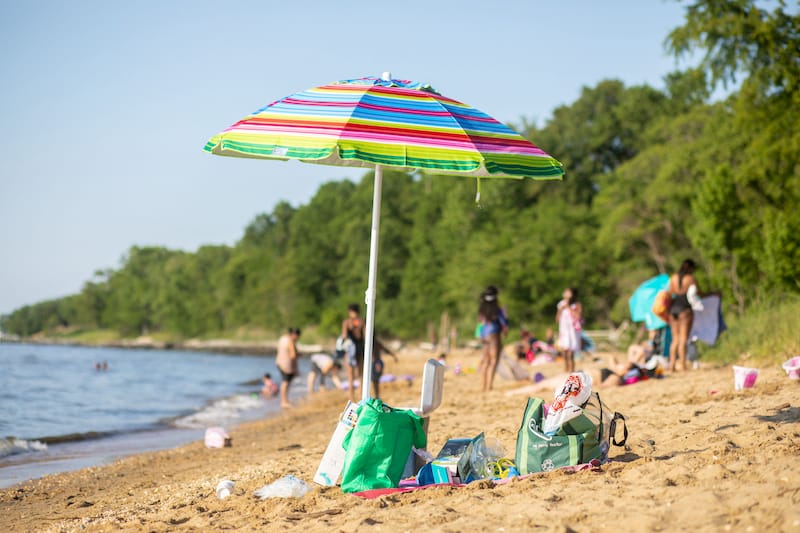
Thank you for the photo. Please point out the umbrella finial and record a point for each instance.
(386, 76)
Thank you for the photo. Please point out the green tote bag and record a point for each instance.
(377, 448)
(537, 452)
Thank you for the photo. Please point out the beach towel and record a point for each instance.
(708, 323)
(377, 493)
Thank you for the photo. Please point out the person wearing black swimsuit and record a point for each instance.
(353, 329)
(681, 315)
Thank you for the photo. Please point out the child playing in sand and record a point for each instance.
(322, 366)
(377, 363)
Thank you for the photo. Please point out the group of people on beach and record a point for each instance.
(640, 364)
(349, 354)
(493, 328)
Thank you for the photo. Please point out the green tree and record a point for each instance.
(741, 41)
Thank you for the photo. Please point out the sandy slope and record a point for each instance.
(694, 460)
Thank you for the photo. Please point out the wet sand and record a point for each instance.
(700, 456)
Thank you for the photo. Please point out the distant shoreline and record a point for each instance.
(224, 346)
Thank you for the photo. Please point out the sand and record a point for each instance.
(700, 457)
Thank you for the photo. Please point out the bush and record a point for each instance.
(766, 333)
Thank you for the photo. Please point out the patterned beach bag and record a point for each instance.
(584, 438)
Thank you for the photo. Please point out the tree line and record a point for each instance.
(652, 176)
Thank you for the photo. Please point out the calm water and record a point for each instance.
(147, 399)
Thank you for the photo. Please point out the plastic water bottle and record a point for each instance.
(224, 488)
(286, 487)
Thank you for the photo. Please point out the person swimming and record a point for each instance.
(269, 388)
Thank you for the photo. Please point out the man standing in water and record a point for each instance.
(286, 361)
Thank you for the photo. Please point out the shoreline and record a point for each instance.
(700, 456)
(67, 458)
(68, 453)
(29, 454)
(220, 346)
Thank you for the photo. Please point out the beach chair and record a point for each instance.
(432, 385)
(430, 400)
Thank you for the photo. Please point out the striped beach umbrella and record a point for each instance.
(377, 122)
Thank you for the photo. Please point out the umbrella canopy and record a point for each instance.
(641, 302)
(376, 122)
(397, 123)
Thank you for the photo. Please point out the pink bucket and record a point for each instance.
(792, 367)
(744, 378)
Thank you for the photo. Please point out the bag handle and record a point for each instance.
(613, 429)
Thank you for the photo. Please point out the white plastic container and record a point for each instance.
(224, 488)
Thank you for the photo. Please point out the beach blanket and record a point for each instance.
(385, 378)
(377, 493)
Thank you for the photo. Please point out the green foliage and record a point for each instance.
(747, 221)
(740, 39)
(653, 176)
(767, 334)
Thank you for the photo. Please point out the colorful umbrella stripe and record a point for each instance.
(389, 122)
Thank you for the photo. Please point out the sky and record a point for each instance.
(105, 105)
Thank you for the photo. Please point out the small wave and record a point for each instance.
(75, 437)
(13, 446)
(219, 412)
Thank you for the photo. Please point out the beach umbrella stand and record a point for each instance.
(377, 122)
(372, 280)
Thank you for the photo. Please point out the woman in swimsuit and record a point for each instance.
(494, 323)
(353, 330)
(681, 315)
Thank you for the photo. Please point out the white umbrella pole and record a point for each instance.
(366, 375)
